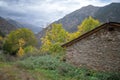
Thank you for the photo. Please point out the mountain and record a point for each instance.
(10, 14)
(104, 14)
(72, 20)
(109, 13)
(15, 23)
(34, 28)
(6, 27)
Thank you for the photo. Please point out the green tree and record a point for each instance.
(11, 44)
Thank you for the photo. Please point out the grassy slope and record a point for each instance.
(11, 72)
(49, 68)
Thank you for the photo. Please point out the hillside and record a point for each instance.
(34, 28)
(72, 20)
(104, 14)
(109, 13)
(5, 26)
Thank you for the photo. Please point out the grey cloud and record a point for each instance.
(40, 12)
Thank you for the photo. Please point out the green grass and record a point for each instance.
(52, 68)
(47, 67)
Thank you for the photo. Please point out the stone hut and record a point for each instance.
(98, 49)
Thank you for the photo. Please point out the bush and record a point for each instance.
(44, 62)
(7, 58)
(2, 57)
(50, 63)
(31, 50)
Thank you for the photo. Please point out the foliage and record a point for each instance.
(2, 57)
(30, 49)
(58, 70)
(20, 52)
(88, 24)
(73, 35)
(45, 62)
(54, 38)
(46, 44)
(57, 35)
(21, 44)
(56, 48)
(48, 67)
(6, 57)
(12, 42)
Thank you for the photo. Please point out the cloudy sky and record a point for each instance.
(43, 12)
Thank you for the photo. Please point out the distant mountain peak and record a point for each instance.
(104, 14)
(90, 6)
(34, 28)
(7, 25)
(114, 3)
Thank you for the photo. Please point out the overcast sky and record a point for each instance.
(42, 12)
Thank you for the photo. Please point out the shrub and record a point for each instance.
(44, 62)
(48, 63)
(31, 50)
(2, 57)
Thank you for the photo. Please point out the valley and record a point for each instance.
(83, 45)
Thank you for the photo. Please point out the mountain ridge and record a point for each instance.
(6, 27)
(72, 20)
(77, 17)
(34, 28)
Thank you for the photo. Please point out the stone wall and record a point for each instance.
(99, 51)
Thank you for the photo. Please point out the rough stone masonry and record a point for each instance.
(100, 50)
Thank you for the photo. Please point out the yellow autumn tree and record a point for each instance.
(54, 38)
(21, 50)
(71, 36)
(88, 24)
(46, 44)
(57, 35)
